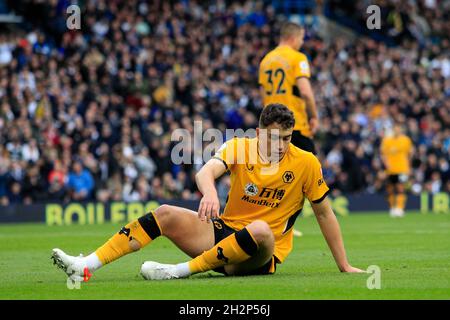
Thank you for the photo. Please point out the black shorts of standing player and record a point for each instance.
(303, 142)
(221, 231)
(395, 179)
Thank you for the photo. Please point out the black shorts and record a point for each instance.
(393, 178)
(303, 142)
(397, 178)
(221, 231)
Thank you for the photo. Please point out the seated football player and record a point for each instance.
(270, 180)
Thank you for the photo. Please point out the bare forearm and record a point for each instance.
(206, 182)
(383, 160)
(307, 95)
(332, 233)
(311, 106)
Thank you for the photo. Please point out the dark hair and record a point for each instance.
(290, 29)
(279, 113)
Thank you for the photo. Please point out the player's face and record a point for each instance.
(274, 141)
(397, 130)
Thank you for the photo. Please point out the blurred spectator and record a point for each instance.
(30, 151)
(15, 194)
(145, 164)
(4, 175)
(34, 186)
(80, 182)
(130, 192)
(223, 187)
(58, 174)
(57, 191)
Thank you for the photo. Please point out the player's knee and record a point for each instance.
(164, 215)
(134, 245)
(162, 212)
(261, 232)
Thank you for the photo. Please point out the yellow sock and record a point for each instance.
(143, 230)
(401, 201)
(391, 201)
(234, 249)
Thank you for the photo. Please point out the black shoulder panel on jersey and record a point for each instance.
(296, 91)
(291, 220)
(323, 197)
(224, 163)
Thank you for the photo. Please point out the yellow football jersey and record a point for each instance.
(396, 151)
(278, 73)
(273, 194)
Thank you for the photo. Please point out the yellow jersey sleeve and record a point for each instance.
(384, 146)
(227, 154)
(315, 187)
(301, 67)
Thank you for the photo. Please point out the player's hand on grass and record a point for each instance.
(209, 207)
(350, 269)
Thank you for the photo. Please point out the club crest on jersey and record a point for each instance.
(288, 177)
(251, 189)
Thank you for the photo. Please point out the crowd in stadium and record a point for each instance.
(421, 20)
(88, 114)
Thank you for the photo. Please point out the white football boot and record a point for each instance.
(393, 212)
(74, 267)
(152, 270)
(297, 233)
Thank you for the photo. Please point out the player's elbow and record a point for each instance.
(307, 95)
(199, 175)
(202, 177)
(323, 215)
(322, 210)
(320, 215)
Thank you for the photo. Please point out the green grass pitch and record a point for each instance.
(413, 254)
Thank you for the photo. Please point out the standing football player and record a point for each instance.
(396, 152)
(284, 78)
